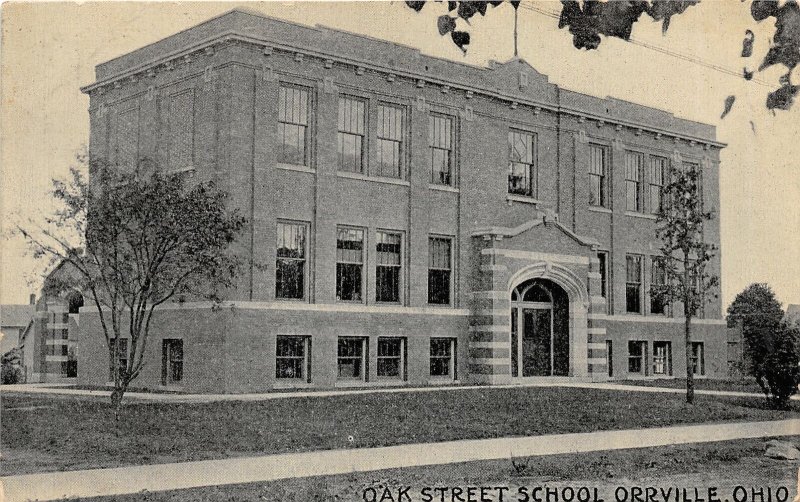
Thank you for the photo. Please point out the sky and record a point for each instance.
(49, 50)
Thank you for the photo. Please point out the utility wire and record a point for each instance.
(662, 50)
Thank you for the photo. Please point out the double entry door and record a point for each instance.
(532, 339)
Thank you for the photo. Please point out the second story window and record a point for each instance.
(598, 176)
(521, 167)
(351, 134)
(440, 142)
(633, 283)
(390, 141)
(349, 264)
(633, 181)
(290, 262)
(293, 117)
(387, 272)
(658, 169)
(439, 270)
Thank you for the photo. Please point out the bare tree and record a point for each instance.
(686, 255)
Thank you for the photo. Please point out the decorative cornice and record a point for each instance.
(208, 48)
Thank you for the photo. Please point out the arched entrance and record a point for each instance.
(539, 329)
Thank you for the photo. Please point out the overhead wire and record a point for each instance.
(662, 50)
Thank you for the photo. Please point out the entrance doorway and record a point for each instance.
(539, 330)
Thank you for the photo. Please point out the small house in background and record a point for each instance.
(15, 320)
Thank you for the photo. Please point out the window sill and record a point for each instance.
(525, 199)
(443, 188)
(439, 306)
(377, 179)
(442, 381)
(297, 168)
(351, 383)
(291, 300)
(599, 209)
(387, 382)
(635, 214)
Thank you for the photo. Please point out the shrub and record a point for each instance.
(10, 375)
(781, 373)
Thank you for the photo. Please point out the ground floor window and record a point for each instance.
(293, 358)
(352, 358)
(662, 358)
(637, 355)
(443, 359)
(698, 362)
(122, 357)
(610, 357)
(392, 358)
(171, 361)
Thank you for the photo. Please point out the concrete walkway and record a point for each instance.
(55, 389)
(122, 480)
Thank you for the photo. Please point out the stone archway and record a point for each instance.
(577, 301)
(539, 330)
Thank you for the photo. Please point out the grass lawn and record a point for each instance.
(740, 385)
(48, 433)
(723, 464)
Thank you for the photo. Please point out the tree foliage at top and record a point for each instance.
(685, 254)
(132, 241)
(587, 20)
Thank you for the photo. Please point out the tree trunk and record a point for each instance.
(687, 330)
(689, 368)
(116, 402)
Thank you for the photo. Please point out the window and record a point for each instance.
(387, 271)
(698, 362)
(443, 364)
(603, 257)
(633, 284)
(171, 361)
(662, 358)
(349, 264)
(658, 278)
(181, 130)
(390, 141)
(658, 169)
(633, 181)
(439, 270)
(597, 176)
(351, 134)
(440, 141)
(123, 356)
(293, 117)
(292, 358)
(290, 262)
(391, 358)
(637, 355)
(610, 357)
(351, 361)
(521, 166)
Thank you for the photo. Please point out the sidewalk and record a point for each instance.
(54, 389)
(162, 477)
